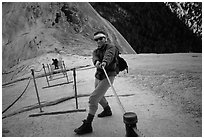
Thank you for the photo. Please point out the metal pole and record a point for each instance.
(65, 71)
(62, 67)
(49, 70)
(75, 88)
(46, 74)
(36, 89)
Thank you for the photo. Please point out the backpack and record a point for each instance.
(122, 64)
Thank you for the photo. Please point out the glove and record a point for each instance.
(103, 64)
(97, 65)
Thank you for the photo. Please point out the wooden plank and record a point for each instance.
(57, 85)
(57, 112)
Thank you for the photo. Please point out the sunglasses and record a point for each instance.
(99, 39)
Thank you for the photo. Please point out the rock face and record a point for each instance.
(151, 27)
(32, 29)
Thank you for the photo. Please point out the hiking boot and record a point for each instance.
(106, 112)
(84, 128)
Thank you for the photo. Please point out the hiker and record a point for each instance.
(104, 55)
(55, 63)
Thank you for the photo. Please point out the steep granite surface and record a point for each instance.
(32, 29)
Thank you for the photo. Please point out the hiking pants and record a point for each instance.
(97, 96)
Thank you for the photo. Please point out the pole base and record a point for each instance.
(130, 120)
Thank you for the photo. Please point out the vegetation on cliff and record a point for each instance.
(152, 27)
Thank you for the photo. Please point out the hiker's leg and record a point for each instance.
(100, 89)
(103, 102)
(96, 82)
(106, 108)
(98, 94)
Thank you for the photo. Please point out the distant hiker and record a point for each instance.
(105, 55)
(55, 63)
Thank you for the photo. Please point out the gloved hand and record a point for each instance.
(103, 64)
(97, 65)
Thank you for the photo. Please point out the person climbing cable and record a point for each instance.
(55, 63)
(105, 55)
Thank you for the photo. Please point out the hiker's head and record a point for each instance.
(100, 37)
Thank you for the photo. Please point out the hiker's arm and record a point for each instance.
(95, 58)
(109, 54)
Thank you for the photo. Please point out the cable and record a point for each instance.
(39, 70)
(85, 68)
(17, 98)
(119, 102)
(114, 92)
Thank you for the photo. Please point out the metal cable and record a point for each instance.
(86, 68)
(119, 102)
(17, 98)
(39, 70)
(114, 92)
